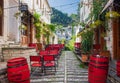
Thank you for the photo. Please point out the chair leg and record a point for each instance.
(44, 70)
(57, 63)
(55, 69)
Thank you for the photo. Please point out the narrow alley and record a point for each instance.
(59, 41)
(68, 71)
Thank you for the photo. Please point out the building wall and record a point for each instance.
(11, 24)
(40, 6)
(109, 38)
(85, 10)
(45, 11)
(77, 29)
(3, 38)
(86, 7)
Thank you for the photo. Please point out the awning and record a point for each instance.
(107, 5)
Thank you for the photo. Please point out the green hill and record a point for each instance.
(60, 18)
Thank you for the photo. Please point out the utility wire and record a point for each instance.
(70, 6)
(66, 4)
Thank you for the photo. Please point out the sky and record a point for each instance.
(66, 6)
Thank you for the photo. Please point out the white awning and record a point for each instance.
(107, 5)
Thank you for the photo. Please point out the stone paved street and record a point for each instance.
(69, 71)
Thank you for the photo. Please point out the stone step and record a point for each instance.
(47, 80)
(76, 80)
(67, 72)
(53, 80)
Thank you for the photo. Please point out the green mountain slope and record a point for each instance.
(60, 18)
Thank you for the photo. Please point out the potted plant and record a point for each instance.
(96, 24)
(112, 14)
(39, 26)
(86, 43)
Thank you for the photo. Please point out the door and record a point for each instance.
(116, 38)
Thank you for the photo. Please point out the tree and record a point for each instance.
(60, 18)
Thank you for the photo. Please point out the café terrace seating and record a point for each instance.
(47, 59)
(35, 61)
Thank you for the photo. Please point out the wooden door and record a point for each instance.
(116, 38)
(102, 41)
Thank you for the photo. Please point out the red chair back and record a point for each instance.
(35, 58)
(48, 58)
(53, 52)
(77, 45)
(44, 52)
(34, 45)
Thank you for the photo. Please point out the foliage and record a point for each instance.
(82, 24)
(97, 7)
(58, 27)
(87, 41)
(17, 14)
(22, 27)
(96, 24)
(62, 41)
(60, 18)
(112, 14)
(83, 65)
(52, 27)
(36, 17)
(74, 17)
(70, 44)
(38, 25)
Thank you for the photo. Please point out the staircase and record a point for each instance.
(69, 71)
(112, 76)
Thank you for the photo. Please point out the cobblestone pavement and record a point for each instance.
(68, 71)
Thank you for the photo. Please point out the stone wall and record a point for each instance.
(14, 52)
(3, 72)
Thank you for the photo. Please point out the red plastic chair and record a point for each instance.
(35, 61)
(34, 45)
(49, 62)
(49, 48)
(44, 52)
(56, 55)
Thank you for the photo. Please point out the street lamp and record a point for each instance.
(23, 7)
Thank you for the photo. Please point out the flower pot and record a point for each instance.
(84, 57)
(105, 53)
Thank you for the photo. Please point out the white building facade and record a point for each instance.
(9, 30)
(85, 11)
